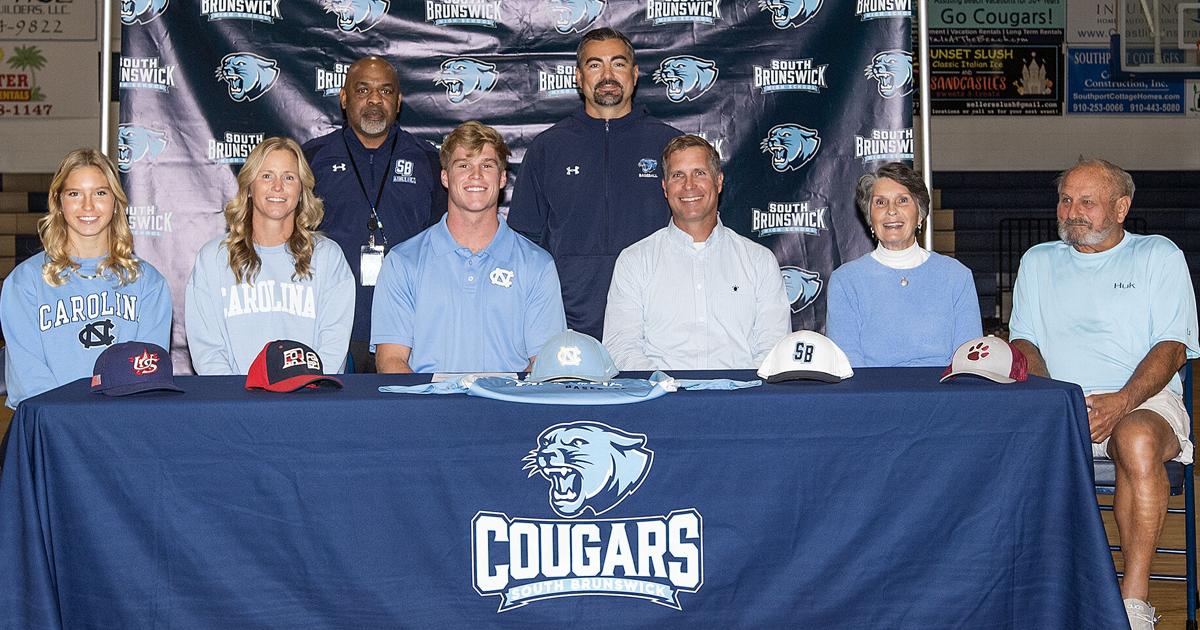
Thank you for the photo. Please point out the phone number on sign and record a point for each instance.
(30, 27)
(25, 109)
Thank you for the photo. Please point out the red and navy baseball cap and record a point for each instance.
(286, 366)
(131, 367)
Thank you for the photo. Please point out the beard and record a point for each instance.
(608, 99)
(1090, 237)
(373, 121)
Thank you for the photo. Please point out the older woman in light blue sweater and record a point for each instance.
(900, 305)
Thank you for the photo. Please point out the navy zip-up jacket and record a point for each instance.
(587, 189)
(413, 198)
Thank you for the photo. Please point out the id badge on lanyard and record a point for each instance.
(370, 262)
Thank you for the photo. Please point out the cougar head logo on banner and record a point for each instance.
(136, 143)
(802, 286)
(686, 77)
(893, 70)
(590, 466)
(790, 146)
(575, 16)
(248, 76)
(790, 13)
(141, 11)
(465, 78)
(357, 15)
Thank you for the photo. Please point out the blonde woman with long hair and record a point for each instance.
(64, 306)
(272, 275)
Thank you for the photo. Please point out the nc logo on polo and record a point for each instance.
(591, 466)
(790, 13)
(893, 69)
(790, 146)
(141, 11)
(575, 16)
(357, 15)
(136, 143)
(466, 79)
(802, 286)
(247, 75)
(686, 77)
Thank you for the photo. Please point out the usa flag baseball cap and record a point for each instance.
(989, 357)
(805, 355)
(573, 356)
(286, 366)
(131, 367)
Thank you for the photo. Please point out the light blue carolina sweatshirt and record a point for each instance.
(54, 334)
(229, 323)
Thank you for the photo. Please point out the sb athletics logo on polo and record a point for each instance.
(590, 468)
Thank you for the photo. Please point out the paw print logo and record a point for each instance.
(978, 351)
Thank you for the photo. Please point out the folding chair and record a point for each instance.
(1180, 478)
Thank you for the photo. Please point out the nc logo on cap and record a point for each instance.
(569, 355)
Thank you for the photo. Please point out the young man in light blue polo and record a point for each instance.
(467, 294)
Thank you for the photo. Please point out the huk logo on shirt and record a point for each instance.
(357, 16)
(403, 172)
(575, 16)
(790, 13)
(146, 73)
(145, 363)
(501, 277)
(674, 11)
(265, 11)
(591, 468)
(141, 11)
(463, 12)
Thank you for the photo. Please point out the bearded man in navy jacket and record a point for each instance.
(590, 186)
(381, 185)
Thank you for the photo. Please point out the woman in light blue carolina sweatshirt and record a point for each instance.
(64, 306)
(272, 276)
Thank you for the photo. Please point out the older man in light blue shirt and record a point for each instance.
(467, 294)
(694, 295)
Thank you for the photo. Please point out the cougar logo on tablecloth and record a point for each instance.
(591, 468)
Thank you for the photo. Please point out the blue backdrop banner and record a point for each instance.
(799, 97)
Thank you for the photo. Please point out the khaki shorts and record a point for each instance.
(1169, 406)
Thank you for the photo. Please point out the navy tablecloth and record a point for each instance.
(885, 501)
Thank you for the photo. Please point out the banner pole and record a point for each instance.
(105, 75)
(926, 107)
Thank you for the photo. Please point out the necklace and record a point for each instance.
(903, 281)
(88, 276)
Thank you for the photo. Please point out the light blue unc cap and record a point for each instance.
(573, 356)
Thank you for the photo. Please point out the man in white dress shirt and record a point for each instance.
(695, 295)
